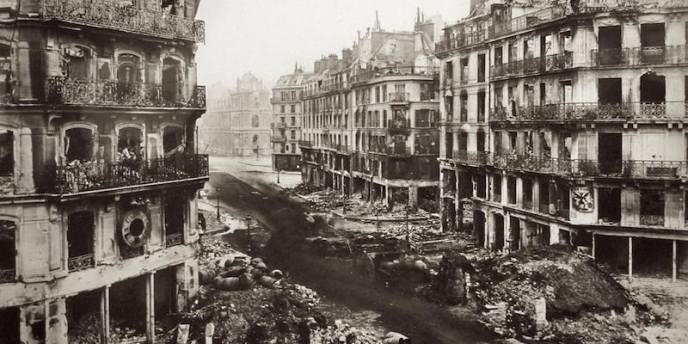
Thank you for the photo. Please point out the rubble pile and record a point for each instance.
(576, 297)
(249, 303)
(305, 189)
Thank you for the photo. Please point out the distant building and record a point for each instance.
(371, 118)
(238, 120)
(99, 170)
(564, 123)
(287, 118)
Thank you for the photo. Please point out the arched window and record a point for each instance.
(172, 81)
(128, 74)
(78, 144)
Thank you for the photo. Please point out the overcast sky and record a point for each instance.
(266, 37)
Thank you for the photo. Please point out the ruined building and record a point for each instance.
(98, 164)
(370, 118)
(564, 123)
(287, 116)
(238, 120)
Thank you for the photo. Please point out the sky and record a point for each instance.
(267, 37)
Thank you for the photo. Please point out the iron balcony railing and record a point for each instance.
(278, 138)
(367, 75)
(68, 91)
(93, 176)
(652, 220)
(527, 20)
(174, 239)
(7, 275)
(655, 55)
(305, 144)
(82, 262)
(549, 63)
(460, 40)
(592, 111)
(120, 16)
(399, 97)
(472, 158)
(278, 125)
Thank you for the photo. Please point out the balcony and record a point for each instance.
(101, 176)
(66, 91)
(623, 57)
(365, 76)
(460, 41)
(526, 21)
(278, 138)
(472, 158)
(400, 126)
(278, 125)
(593, 111)
(7, 275)
(305, 144)
(549, 63)
(174, 239)
(81, 262)
(652, 220)
(119, 16)
(399, 97)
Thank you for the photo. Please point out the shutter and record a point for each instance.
(34, 251)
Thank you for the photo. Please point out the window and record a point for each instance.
(293, 147)
(293, 120)
(464, 69)
(481, 68)
(293, 108)
(6, 153)
(652, 207)
(255, 121)
(293, 134)
(281, 108)
(7, 247)
(78, 144)
(80, 245)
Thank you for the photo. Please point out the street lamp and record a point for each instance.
(217, 196)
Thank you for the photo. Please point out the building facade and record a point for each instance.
(99, 164)
(287, 118)
(564, 124)
(238, 120)
(370, 118)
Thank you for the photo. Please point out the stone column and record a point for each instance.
(150, 308)
(105, 314)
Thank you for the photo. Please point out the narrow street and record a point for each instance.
(421, 321)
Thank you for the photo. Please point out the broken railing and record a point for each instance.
(592, 111)
(174, 239)
(71, 91)
(7, 275)
(120, 15)
(82, 262)
(98, 176)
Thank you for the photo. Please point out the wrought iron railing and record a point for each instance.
(174, 239)
(399, 97)
(461, 40)
(527, 20)
(7, 275)
(98, 176)
(654, 55)
(366, 75)
(592, 111)
(82, 262)
(549, 63)
(472, 158)
(62, 90)
(117, 15)
(652, 220)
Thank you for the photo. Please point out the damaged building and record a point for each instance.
(287, 117)
(99, 168)
(370, 118)
(563, 123)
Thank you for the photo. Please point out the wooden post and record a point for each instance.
(105, 314)
(673, 261)
(150, 308)
(630, 258)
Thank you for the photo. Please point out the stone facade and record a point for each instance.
(563, 124)
(100, 169)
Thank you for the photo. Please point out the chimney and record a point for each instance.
(347, 56)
